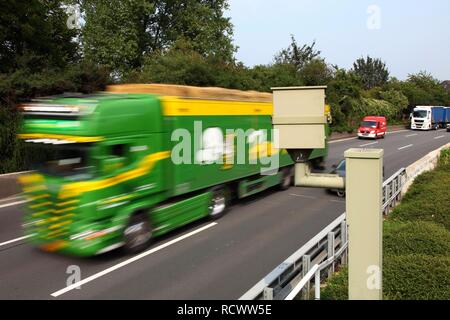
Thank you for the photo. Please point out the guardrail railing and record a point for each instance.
(392, 190)
(319, 257)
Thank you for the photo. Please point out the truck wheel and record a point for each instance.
(219, 203)
(137, 234)
(286, 181)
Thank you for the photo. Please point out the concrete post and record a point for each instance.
(330, 251)
(306, 260)
(364, 182)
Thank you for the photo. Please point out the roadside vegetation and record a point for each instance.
(416, 243)
(134, 41)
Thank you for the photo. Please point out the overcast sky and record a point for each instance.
(409, 35)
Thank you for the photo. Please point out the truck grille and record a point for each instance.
(52, 216)
(419, 123)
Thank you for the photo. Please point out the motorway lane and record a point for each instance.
(10, 222)
(222, 262)
(394, 159)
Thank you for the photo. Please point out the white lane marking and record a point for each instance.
(405, 147)
(342, 140)
(398, 131)
(12, 204)
(411, 135)
(131, 260)
(368, 144)
(338, 201)
(13, 173)
(302, 196)
(13, 240)
(354, 138)
(440, 137)
(11, 199)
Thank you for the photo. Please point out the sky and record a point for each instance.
(409, 35)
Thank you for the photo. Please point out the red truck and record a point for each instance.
(373, 127)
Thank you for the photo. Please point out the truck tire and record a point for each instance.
(137, 233)
(287, 179)
(219, 202)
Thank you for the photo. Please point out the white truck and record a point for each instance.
(428, 118)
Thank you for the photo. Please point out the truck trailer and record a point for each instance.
(447, 116)
(124, 168)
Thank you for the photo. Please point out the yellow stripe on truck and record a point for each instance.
(147, 164)
(78, 139)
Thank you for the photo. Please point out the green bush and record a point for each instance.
(416, 277)
(405, 277)
(428, 199)
(337, 287)
(415, 238)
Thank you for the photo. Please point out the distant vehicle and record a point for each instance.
(430, 118)
(339, 169)
(373, 127)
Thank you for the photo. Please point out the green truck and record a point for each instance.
(124, 168)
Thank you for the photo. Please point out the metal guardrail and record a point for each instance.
(278, 284)
(392, 190)
(319, 256)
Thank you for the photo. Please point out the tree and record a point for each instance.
(200, 22)
(421, 89)
(373, 72)
(345, 85)
(296, 55)
(34, 35)
(121, 33)
(316, 72)
(344, 94)
(396, 98)
(275, 75)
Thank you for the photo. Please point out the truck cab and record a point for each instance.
(105, 158)
(373, 127)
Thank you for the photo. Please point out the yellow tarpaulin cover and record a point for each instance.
(192, 92)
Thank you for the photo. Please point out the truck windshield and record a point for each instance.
(369, 124)
(66, 161)
(420, 114)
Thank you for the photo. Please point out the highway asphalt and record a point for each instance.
(204, 260)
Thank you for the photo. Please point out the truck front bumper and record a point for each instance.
(97, 240)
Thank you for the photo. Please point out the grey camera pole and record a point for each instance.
(364, 183)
